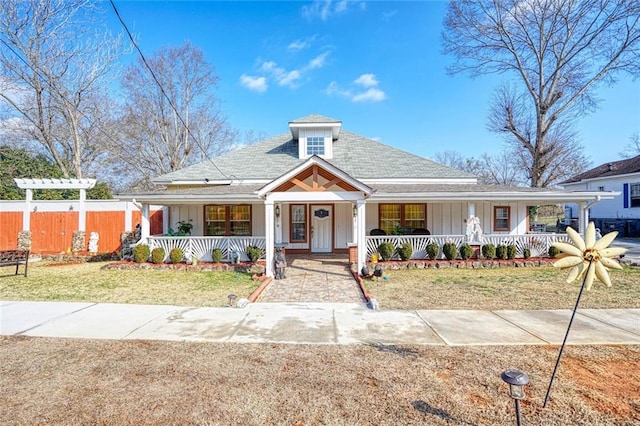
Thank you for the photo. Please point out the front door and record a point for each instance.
(321, 220)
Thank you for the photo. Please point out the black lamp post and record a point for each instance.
(516, 380)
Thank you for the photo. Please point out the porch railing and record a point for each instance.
(538, 244)
(200, 248)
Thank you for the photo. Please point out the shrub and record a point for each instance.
(489, 251)
(141, 253)
(553, 252)
(253, 253)
(450, 251)
(386, 250)
(216, 255)
(157, 255)
(512, 250)
(405, 251)
(526, 253)
(176, 254)
(501, 251)
(432, 250)
(466, 251)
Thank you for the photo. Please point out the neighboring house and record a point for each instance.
(621, 213)
(320, 189)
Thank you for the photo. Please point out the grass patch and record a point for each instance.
(73, 381)
(86, 282)
(500, 288)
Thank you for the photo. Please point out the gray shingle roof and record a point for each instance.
(614, 168)
(360, 157)
(315, 118)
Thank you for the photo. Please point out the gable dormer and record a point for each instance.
(315, 135)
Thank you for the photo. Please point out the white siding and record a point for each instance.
(609, 208)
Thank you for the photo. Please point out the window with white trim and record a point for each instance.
(501, 218)
(315, 145)
(298, 223)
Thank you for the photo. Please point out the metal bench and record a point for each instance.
(15, 257)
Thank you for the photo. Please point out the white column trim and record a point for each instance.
(145, 226)
(362, 243)
(269, 236)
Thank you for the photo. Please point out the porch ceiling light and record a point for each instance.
(277, 210)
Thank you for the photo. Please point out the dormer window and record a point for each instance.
(315, 146)
(315, 135)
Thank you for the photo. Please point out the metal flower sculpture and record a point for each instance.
(589, 258)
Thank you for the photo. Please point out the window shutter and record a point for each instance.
(625, 195)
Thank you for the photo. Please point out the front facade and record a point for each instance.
(320, 189)
(621, 213)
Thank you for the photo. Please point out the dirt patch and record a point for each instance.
(611, 395)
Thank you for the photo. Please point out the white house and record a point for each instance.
(318, 188)
(621, 213)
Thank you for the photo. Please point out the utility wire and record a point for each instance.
(153, 74)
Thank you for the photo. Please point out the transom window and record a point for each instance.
(501, 218)
(402, 217)
(315, 145)
(227, 220)
(298, 223)
(635, 194)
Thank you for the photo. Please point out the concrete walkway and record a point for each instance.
(317, 323)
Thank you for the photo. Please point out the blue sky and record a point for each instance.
(375, 65)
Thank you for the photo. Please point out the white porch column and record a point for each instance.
(278, 230)
(82, 211)
(583, 217)
(354, 225)
(269, 236)
(360, 234)
(145, 226)
(471, 209)
(26, 213)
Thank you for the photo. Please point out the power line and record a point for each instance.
(153, 75)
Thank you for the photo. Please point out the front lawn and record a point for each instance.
(86, 282)
(500, 288)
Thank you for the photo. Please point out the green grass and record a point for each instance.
(87, 282)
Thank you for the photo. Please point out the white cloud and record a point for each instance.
(298, 45)
(371, 95)
(366, 81)
(289, 79)
(324, 9)
(318, 61)
(257, 84)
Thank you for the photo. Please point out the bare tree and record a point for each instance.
(498, 169)
(632, 148)
(55, 59)
(558, 52)
(174, 121)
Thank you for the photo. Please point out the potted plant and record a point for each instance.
(184, 227)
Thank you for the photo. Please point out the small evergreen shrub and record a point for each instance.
(157, 255)
(512, 250)
(253, 253)
(501, 252)
(526, 253)
(141, 253)
(175, 255)
(489, 251)
(450, 251)
(553, 252)
(432, 250)
(466, 251)
(405, 251)
(216, 255)
(386, 250)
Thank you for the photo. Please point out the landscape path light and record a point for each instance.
(516, 380)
